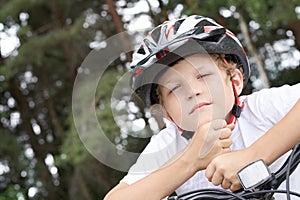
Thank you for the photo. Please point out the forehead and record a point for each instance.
(193, 64)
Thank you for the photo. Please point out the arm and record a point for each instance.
(288, 128)
(161, 183)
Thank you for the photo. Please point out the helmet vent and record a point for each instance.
(204, 23)
(213, 38)
(155, 34)
(177, 25)
(141, 50)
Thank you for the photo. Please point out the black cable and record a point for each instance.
(206, 194)
(270, 191)
(215, 194)
(288, 196)
(288, 171)
(282, 174)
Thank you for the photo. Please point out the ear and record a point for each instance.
(237, 80)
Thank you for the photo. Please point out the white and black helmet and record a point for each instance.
(177, 39)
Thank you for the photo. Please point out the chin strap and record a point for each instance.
(237, 107)
(186, 134)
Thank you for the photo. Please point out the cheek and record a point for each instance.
(173, 106)
(229, 98)
(178, 111)
(222, 98)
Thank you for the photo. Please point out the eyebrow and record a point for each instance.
(198, 69)
(171, 80)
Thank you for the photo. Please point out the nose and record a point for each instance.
(195, 88)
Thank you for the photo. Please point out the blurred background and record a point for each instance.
(43, 44)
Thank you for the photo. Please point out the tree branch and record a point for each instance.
(119, 25)
(58, 130)
(253, 51)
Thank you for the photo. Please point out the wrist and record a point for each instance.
(255, 153)
(188, 163)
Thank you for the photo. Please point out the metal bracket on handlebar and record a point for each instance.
(254, 175)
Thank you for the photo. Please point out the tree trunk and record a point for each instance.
(40, 150)
(295, 27)
(67, 46)
(58, 130)
(119, 25)
(253, 51)
(78, 187)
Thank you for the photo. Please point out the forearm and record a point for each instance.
(209, 140)
(158, 184)
(280, 138)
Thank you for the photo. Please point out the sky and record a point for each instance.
(9, 42)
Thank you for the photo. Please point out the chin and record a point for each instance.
(193, 126)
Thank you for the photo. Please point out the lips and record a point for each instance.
(199, 106)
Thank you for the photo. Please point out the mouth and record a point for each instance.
(199, 106)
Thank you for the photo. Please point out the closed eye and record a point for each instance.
(175, 88)
(200, 76)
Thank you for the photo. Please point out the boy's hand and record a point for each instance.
(222, 171)
(209, 141)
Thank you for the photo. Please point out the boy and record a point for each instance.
(195, 69)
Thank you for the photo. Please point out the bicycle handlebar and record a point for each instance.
(266, 190)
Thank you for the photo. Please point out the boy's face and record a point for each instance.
(195, 91)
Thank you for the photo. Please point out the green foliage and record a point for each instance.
(39, 79)
(33, 51)
(53, 45)
(269, 14)
(12, 193)
(14, 7)
(287, 76)
(9, 145)
(73, 151)
(73, 147)
(205, 8)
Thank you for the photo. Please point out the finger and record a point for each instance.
(226, 150)
(226, 184)
(217, 178)
(209, 172)
(231, 126)
(226, 143)
(235, 187)
(225, 133)
(218, 124)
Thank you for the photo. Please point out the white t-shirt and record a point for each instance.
(263, 109)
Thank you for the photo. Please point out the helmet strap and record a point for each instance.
(237, 107)
(172, 120)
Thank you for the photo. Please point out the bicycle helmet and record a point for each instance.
(177, 39)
